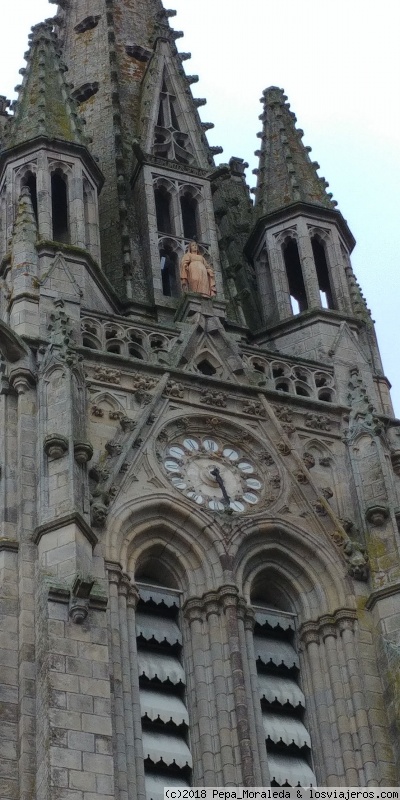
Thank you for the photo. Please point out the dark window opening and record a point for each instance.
(169, 273)
(30, 182)
(297, 289)
(325, 395)
(59, 202)
(111, 333)
(87, 24)
(89, 343)
(259, 367)
(302, 392)
(163, 210)
(277, 372)
(85, 91)
(113, 347)
(133, 351)
(189, 216)
(320, 380)
(321, 266)
(134, 337)
(282, 387)
(206, 368)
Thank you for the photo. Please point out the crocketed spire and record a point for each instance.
(286, 173)
(44, 106)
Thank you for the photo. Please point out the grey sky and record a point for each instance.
(339, 64)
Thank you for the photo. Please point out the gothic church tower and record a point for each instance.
(199, 461)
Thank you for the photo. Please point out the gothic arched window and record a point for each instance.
(189, 209)
(163, 209)
(164, 715)
(297, 289)
(59, 204)
(321, 266)
(282, 700)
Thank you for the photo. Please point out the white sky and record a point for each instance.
(339, 63)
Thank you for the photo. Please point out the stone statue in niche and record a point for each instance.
(196, 274)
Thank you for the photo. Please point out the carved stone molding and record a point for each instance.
(62, 522)
(316, 631)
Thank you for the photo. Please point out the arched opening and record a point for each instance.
(206, 368)
(297, 289)
(287, 740)
(163, 209)
(189, 210)
(29, 180)
(164, 715)
(169, 272)
(59, 205)
(321, 266)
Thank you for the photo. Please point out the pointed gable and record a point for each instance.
(286, 173)
(44, 106)
(170, 126)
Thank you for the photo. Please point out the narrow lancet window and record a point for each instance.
(169, 272)
(165, 720)
(321, 266)
(163, 210)
(297, 289)
(59, 201)
(189, 216)
(287, 739)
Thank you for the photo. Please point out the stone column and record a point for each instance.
(201, 708)
(246, 628)
(229, 600)
(308, 264)
(132, 600)
(222, 691)
(341, 711)
(117, 698)
(330, 768)
(22, 382)
(346, 627)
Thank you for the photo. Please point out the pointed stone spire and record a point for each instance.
(44, 106)
(286, 173)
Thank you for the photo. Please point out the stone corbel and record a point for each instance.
(55, 445)
(377, 514)
(79, 599)
(83, 452)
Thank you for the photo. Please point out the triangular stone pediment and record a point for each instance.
(210, 351)
(170, 124)
(346, 348)
(60, 279)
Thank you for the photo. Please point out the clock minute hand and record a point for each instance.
(217, 475)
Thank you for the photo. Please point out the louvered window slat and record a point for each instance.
(166, 748)
(274, 688)
(161, 629)
(285, 729)
(157, 705)
(275, 651)
(290, 770)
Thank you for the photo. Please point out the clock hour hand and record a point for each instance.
(217, 475)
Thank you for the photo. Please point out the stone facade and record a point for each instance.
(200, 499)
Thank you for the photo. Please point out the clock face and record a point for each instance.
(214, 474)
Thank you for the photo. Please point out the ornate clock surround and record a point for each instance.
(218, 465)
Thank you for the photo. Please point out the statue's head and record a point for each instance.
(193, 247)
